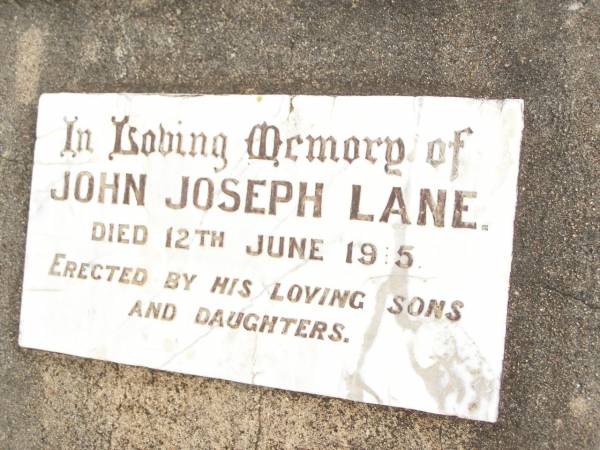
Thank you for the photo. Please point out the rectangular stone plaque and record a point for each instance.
(353, 247)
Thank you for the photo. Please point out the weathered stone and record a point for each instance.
(353, 267)
(544, 52)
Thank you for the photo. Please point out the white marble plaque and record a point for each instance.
(353, 247)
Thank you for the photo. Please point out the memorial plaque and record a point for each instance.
(353, 247)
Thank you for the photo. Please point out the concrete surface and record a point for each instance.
(545, 51)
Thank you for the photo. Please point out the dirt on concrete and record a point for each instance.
(544, 51)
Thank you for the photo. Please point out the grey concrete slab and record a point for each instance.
(547, 52)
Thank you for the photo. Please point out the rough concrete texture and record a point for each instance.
(545, 51)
